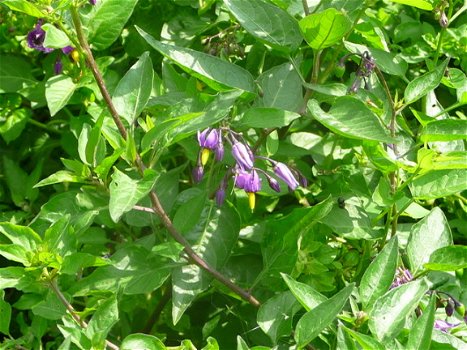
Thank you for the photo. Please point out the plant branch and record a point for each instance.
(54, 286)
(156, 204)
(305, 7)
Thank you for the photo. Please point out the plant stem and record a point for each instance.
(305, 7)
(43, 126)
(156, 204)
(54, 286)
(441, 36)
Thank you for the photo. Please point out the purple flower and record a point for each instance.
(198, 173)
(67, 49)
(92, 2)
(220, 196)
(285, 174)
(219, 150)
(243, 155)
(248, 181)
(36, 38)
(274, 184)
(402, 276)
(208, 138)
(58, 67)
(444, 326)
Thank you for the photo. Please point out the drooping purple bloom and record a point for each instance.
(58, 66)
(248, 181)
(243, 155)
(198, 173)
(274, 184)
(403, 276)
(93, 2)
(285, 174)
(444, 326)
(67, 49)
(220, 196)
(36, 38)
(449, 309)
(208, 138)
(219, 150)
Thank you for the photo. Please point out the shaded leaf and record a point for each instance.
(450, 258)
(444, 130)
(420, 334)
(267, 118)
(438, 184)
(305, 294)
(142, 341)
(422, 85)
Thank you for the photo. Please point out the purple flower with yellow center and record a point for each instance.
(243, 155)
(285, 174)
(209, 139)
(36, 38)
(250, 182)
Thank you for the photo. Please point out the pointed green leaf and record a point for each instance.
(438, 184)
(106, 20)
(24, 6)
(450, 258)
(305, 294)
(126, 192)
(212, 238)
(132, 92)
(58, 91)
(365, 341)
(351, 118)
(313, 322)
(422, 85)
(276, 314)
(267, 118)
(5, 315)
(102, 321)
(420, 334)
(388, 315)
(267, 22)
(217, 73)
(54, 37)
(419, 247)
(421, 4)
(142, 341)
(444, 130)
(324, 29)
(21, 235)
(379, 275)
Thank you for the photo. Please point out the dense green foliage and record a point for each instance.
(107, 240)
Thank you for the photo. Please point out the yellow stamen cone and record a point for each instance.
(251, 200)
(75, 55)
(205, 156)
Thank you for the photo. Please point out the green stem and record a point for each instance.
(43, 126)
(441, 35)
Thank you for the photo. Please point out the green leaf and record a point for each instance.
(267, 22)
(212, 238)
(276, 314)
(279, 246)
(444, 130)
(324, 29)
(16, 180)
(15, 124)
(10, 276)
(282, 88)
(61, 176)
(438, 184)
(213, 71)
(21, 235)
(421, 4)
(15, 73)
(420, 334)
(365, 341)
(25, 7)
(379, 275)
(58, 91)
(54, 37)
(388, 315)
(313, 322)
(419, 248)
(102, 321)
(126, 192)
(133, 91)
(351, 118)
(59, 237)
(450, 258)
(142, 341)
(15, 252)
(5, 315)
(50, 308)
(305, 294)
(106, 20)
(332, 89)
(74, 262)
(422, 85)
(267, 118)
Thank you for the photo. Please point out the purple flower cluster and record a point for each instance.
(402, 276)
(35, 39)
(244, 173)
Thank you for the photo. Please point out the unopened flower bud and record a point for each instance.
(198, 173)
(243, 155)
(219, 152)
(208, 138)
(449, 309)
(220, 196)
(274, 184)
(286, 175)
(58, 66)
(443, 20)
